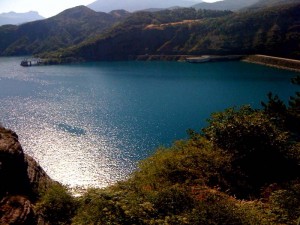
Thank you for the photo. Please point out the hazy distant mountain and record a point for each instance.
(65, 29)
(232, 5)
(135, 5)
(18, 18)
(271, 3)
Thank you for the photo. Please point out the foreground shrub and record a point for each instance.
(57, 206)
(186, 162)
(174, 205)
(215, 207)
(285, 204)
(173, 200)
(260, 150)
(108, 207)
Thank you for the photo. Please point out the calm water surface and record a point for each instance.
(89, 124)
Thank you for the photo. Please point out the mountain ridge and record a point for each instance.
(270, 3)
(232, 5)
(180, 31)
(65, 29)
(272, 31)
(135, 5)
(14, 18)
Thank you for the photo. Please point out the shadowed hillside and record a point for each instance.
(70, 27)
(272, 30)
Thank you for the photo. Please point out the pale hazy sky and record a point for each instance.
(45, 8)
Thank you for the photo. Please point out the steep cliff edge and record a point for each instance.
(21, 181)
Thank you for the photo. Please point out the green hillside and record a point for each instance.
(272, 30)
(268, 27)
(65, 29)
(270, 3)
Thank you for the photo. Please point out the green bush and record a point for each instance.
(173, 201)
(108, 207)
(186, 162)
(285, 204)
(57, 206)
(260, 150)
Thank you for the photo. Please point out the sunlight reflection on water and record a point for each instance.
(89, 125)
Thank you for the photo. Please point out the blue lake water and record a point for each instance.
(89, 124)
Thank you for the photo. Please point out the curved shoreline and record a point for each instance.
(276, 62)
(271, 61)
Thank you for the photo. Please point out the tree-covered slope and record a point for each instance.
(272, 30)
(65, 29)
(271, 3)
(143, 33)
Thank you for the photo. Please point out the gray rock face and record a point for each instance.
(21, 180)
(39, 181)
(13, 175)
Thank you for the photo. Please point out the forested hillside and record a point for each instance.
(272, 30)
(270, 3)
(65, 29)
(268, 27)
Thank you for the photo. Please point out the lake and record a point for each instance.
(89, 124)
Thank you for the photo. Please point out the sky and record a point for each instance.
(45, 8)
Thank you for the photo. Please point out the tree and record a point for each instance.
(275, 107)
(260, 149)
(288, 117)
(294, 109)
(57, 206)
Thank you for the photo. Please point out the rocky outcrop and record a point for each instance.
(13, 171)
(16, 210)
(39, 181)
(21, 181)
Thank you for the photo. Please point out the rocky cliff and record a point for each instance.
(21, 181)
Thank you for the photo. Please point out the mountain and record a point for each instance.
(136, 5)
(70, 27)
(18, 18)
(232, 5)
(271, 3)
(274, 31)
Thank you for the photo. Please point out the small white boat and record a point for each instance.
(31, 62)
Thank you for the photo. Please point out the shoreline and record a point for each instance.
(265, 60)
(275, 62)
